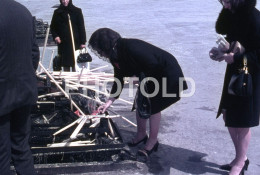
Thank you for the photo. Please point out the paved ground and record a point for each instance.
(192, 140)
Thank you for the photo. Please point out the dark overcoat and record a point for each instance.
(60, 27)
(243, 26)
(18, 57)
(136, 56)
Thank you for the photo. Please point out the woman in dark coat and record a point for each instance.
(61, 32)
(239, 20)
(131, 57)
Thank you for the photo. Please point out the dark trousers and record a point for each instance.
(15, 129)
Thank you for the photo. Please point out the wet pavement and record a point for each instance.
(192, 140)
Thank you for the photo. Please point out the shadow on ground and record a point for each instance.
(168, 159)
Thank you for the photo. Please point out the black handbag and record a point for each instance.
(143, 103)
(241, 82)
(84, 56)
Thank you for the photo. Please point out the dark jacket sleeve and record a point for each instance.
(252, 51)
(54, 24)
(82, 31)
(223, 23)
(118, 84)
(35, 49)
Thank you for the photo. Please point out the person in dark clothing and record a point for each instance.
(239, 20)
(132, 57)
(60, 30)
(19, 57)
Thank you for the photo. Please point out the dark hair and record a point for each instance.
(103, 42)
(235, 4)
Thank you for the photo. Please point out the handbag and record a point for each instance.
(84, 56)
(241, 82)
(143, 103)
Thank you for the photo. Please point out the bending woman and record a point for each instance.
(131, 57)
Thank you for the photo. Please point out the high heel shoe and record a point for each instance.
(242, 171)
(146, 153)
(132, 144)
(228, 167)
(246, 164)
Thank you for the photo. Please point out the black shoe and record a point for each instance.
(242, 172)
(227, 167)
(132, 144)
(246, 164)
(146, 153)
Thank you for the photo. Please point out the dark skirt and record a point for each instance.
(241, 112)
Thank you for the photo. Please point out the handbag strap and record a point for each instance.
(245, 65)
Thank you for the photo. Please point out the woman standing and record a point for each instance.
(239, 20)
(133, 57)
(60, 30)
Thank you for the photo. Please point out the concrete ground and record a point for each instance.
(192, 140)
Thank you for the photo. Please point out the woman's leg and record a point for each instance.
(141, 128)
(66, 69)
(69, 69)
(243, 139)
(234, 134)
(73, 69)
(154, 129)
(234, 137)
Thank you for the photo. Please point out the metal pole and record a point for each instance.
(45, 43)
(52, 53)
(55, 82)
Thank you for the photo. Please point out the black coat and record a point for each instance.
(19, 56)
(60, 27)
(136, 56)
(242, 26)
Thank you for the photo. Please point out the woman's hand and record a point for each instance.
(82, 46)
(228, 57)
(215, 54)
(103, 108)
(57, 39)
(238, 48)
(135, 80)
(223, 47)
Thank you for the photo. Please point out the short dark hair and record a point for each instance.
(235, 4)
(103, 40)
